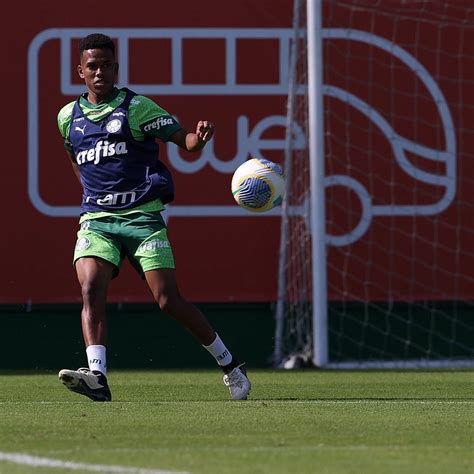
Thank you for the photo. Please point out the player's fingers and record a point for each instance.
(205, 130)
(209, 130)
(204, 125)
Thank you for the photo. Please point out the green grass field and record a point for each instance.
(295, 422)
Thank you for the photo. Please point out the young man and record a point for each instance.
(109, 135)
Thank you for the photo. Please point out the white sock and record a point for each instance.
(96, 358)
(219, 351)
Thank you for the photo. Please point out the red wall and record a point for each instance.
(220, 256)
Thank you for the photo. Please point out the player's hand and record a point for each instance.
(204, 131)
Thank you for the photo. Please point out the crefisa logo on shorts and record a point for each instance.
(82, 243)
(153, 245)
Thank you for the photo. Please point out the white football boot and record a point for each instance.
(238, 383)
(91, 383)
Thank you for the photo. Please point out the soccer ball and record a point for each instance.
(258, 185)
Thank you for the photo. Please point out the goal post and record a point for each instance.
(316, 181)
(375, 267)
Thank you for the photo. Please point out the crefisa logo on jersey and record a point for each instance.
(158, 123)
(114, 126)
(102, 149)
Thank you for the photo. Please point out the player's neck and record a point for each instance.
(96, 100)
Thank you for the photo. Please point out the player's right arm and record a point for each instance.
(75, 166)
(64, 125)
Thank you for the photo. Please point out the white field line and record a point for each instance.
(36, 461)
(273, 401)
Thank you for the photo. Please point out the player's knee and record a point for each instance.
(163, 301)
(168, 303)
(92, 293)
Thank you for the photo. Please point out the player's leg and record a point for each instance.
(149, 251)
(96, 260)
(163, 285)
(94, 276)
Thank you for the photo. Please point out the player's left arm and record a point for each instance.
(147, 118)
(196, 141)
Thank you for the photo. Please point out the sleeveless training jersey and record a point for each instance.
(114, 146)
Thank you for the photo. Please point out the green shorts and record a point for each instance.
(140, 237)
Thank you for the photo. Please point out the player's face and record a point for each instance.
(99, 70)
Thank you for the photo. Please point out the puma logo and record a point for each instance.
(82, 130)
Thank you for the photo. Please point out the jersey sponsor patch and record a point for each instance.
(158, 123)
(102, 149)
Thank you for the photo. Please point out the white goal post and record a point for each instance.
(376, 257)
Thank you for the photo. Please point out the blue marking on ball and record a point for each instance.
(254, 192)
(273, 166)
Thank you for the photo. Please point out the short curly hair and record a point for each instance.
(96, 41)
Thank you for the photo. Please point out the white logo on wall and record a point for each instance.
(401, 146)
(249, 140)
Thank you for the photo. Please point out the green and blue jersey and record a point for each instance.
(114, 145)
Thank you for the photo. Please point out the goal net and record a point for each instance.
(398, 261)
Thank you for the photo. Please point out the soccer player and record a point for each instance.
(110, 137)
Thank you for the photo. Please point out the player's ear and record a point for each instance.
(79, 71)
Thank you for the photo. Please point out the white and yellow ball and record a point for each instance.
(258, 185)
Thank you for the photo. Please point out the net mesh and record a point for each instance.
(398, 178)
